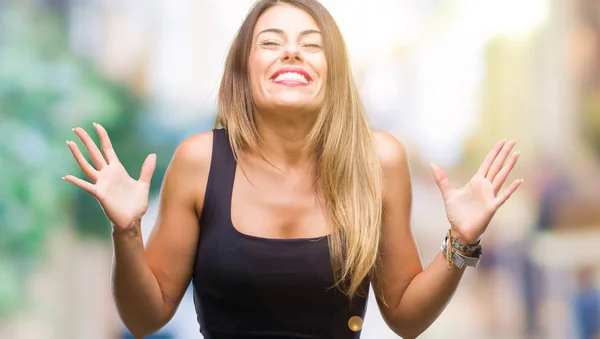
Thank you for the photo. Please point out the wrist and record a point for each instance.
(127, 240)
(466, 240)
(468, 246)
(133, 230)
(458, 255)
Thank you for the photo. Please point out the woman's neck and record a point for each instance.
(284, 140)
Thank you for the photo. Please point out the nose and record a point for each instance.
(292, 53)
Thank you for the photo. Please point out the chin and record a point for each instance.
(295, 107)
(300, 104)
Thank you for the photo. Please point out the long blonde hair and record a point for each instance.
(348, 168)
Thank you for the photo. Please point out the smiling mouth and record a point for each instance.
(291, 77)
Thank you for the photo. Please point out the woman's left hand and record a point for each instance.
(470, 208)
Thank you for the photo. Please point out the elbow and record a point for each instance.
(142, 328)
(408, 334)
(141, 323)
(406, 331)
(140, 333)
(406, 328)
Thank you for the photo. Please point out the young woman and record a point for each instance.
(285, 215)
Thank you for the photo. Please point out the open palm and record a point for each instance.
(470, 208)
(123, 199)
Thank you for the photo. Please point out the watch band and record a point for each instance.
(462, 261)
(465, 248)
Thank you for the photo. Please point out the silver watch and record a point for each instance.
(462, 261)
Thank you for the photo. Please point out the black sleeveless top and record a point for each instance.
(248, 287)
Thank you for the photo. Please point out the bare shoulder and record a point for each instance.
(392, 154)
(189, 168)
(194, 152)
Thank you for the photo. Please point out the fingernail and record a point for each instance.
(522, 180)
(67, 142)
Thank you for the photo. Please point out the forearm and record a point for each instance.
(425, 298)
(136, 292)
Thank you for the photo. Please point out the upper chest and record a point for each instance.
(273, 204)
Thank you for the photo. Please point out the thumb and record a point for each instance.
(441, 179)
(148, 169)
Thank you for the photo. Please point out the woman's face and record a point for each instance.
(287, 65)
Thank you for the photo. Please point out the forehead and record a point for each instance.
(290, 19)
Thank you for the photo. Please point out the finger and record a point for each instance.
(500, 179)
(502, 198)
(500, 160)
(91, 147)
(85, 166)
(106, 144)
(148, 169)
(86, 186)
(489, 159)
(441, 180)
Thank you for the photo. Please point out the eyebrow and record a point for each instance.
(279, 31)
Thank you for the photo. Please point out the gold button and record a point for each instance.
(355, 323)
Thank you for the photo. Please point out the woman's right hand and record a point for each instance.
(123, 199)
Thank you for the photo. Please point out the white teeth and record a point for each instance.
(291, 76)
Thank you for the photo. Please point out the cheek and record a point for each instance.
(253, 73)
(324, 77)
(257, 68)
(321, 65)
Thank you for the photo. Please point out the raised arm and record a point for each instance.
(412, 297)
(148, 282)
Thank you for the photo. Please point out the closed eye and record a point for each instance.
(312, 47)
(270, 43)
